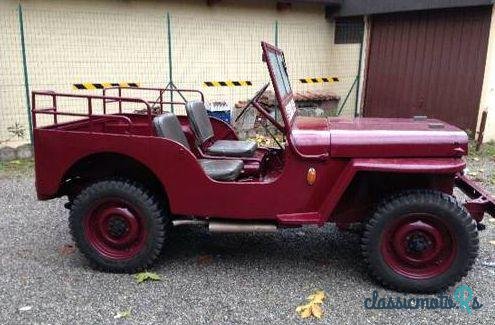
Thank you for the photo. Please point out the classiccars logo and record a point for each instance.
(463, 298)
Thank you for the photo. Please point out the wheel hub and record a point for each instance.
(117, 226)
(418, 246)
(418, 243)
(115, 229)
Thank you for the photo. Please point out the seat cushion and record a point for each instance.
(167, 125)
(232, 148)
(199, 121)
(222, 170)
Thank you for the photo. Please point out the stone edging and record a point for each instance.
(24, 151)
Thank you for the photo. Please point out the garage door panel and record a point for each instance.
(428, 63)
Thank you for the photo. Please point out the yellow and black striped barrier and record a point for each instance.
(318, 80)
(227, 83)
(92, 86)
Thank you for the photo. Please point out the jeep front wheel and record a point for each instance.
(420, 241)
(118, 225)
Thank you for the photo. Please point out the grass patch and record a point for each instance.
(487, 150)
(19, 167)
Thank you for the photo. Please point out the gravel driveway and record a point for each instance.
(215, 279)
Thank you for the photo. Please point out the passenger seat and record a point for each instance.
(202, 128)
(167, 126)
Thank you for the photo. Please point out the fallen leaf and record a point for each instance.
(317, 311)
(313, 306)
(25, 308)
(305, 313)
(67, 249)
(492, 242)
(476, 159)
(318, 297)
(205, 259)
(146, 276)
(123, 314)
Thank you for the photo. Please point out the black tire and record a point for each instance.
(140, 220)
(383, 255)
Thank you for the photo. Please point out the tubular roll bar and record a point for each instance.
(90, 98)
(159, 101)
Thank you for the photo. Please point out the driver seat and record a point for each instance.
(203, 130)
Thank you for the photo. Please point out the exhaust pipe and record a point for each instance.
(227, 226)
(235, 227)
(189, 222)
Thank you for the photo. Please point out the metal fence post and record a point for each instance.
(25, 69)
(170, 79)
(276, 33)
(358, 77)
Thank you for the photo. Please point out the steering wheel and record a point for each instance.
(252, 100)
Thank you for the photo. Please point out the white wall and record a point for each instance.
(488, 92)
(125, 41)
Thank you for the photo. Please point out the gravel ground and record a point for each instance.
(219, 279)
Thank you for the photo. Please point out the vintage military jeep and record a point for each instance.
(130, 178)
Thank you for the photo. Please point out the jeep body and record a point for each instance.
(330, 169)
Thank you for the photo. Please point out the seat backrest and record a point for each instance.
(199, 121)
(167, 125)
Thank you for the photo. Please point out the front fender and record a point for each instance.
(441, 166)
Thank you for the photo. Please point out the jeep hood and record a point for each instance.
(378, 137)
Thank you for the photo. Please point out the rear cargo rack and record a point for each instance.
(151, 108)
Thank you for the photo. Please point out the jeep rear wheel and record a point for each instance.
(118, 225)
(420, 241)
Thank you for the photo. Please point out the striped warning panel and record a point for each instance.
(227, 83)
(318, 80)
(91, 86)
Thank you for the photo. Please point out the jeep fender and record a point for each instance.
(445, 166)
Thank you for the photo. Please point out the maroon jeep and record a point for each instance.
(130, 178)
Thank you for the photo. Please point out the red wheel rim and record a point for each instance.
(418, 246)
(115, 229)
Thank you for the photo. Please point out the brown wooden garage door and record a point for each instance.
(428, 63)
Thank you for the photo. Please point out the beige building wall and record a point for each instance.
(126, 41)
(488, 91)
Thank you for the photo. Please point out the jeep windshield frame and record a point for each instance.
(275, 61)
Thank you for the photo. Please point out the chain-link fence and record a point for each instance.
(66, 49)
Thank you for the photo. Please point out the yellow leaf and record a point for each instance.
(317, 311)
(313, 307)
(146, 276)
(123, 314)
(318, 297)
(302, 307)
(305, 313)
